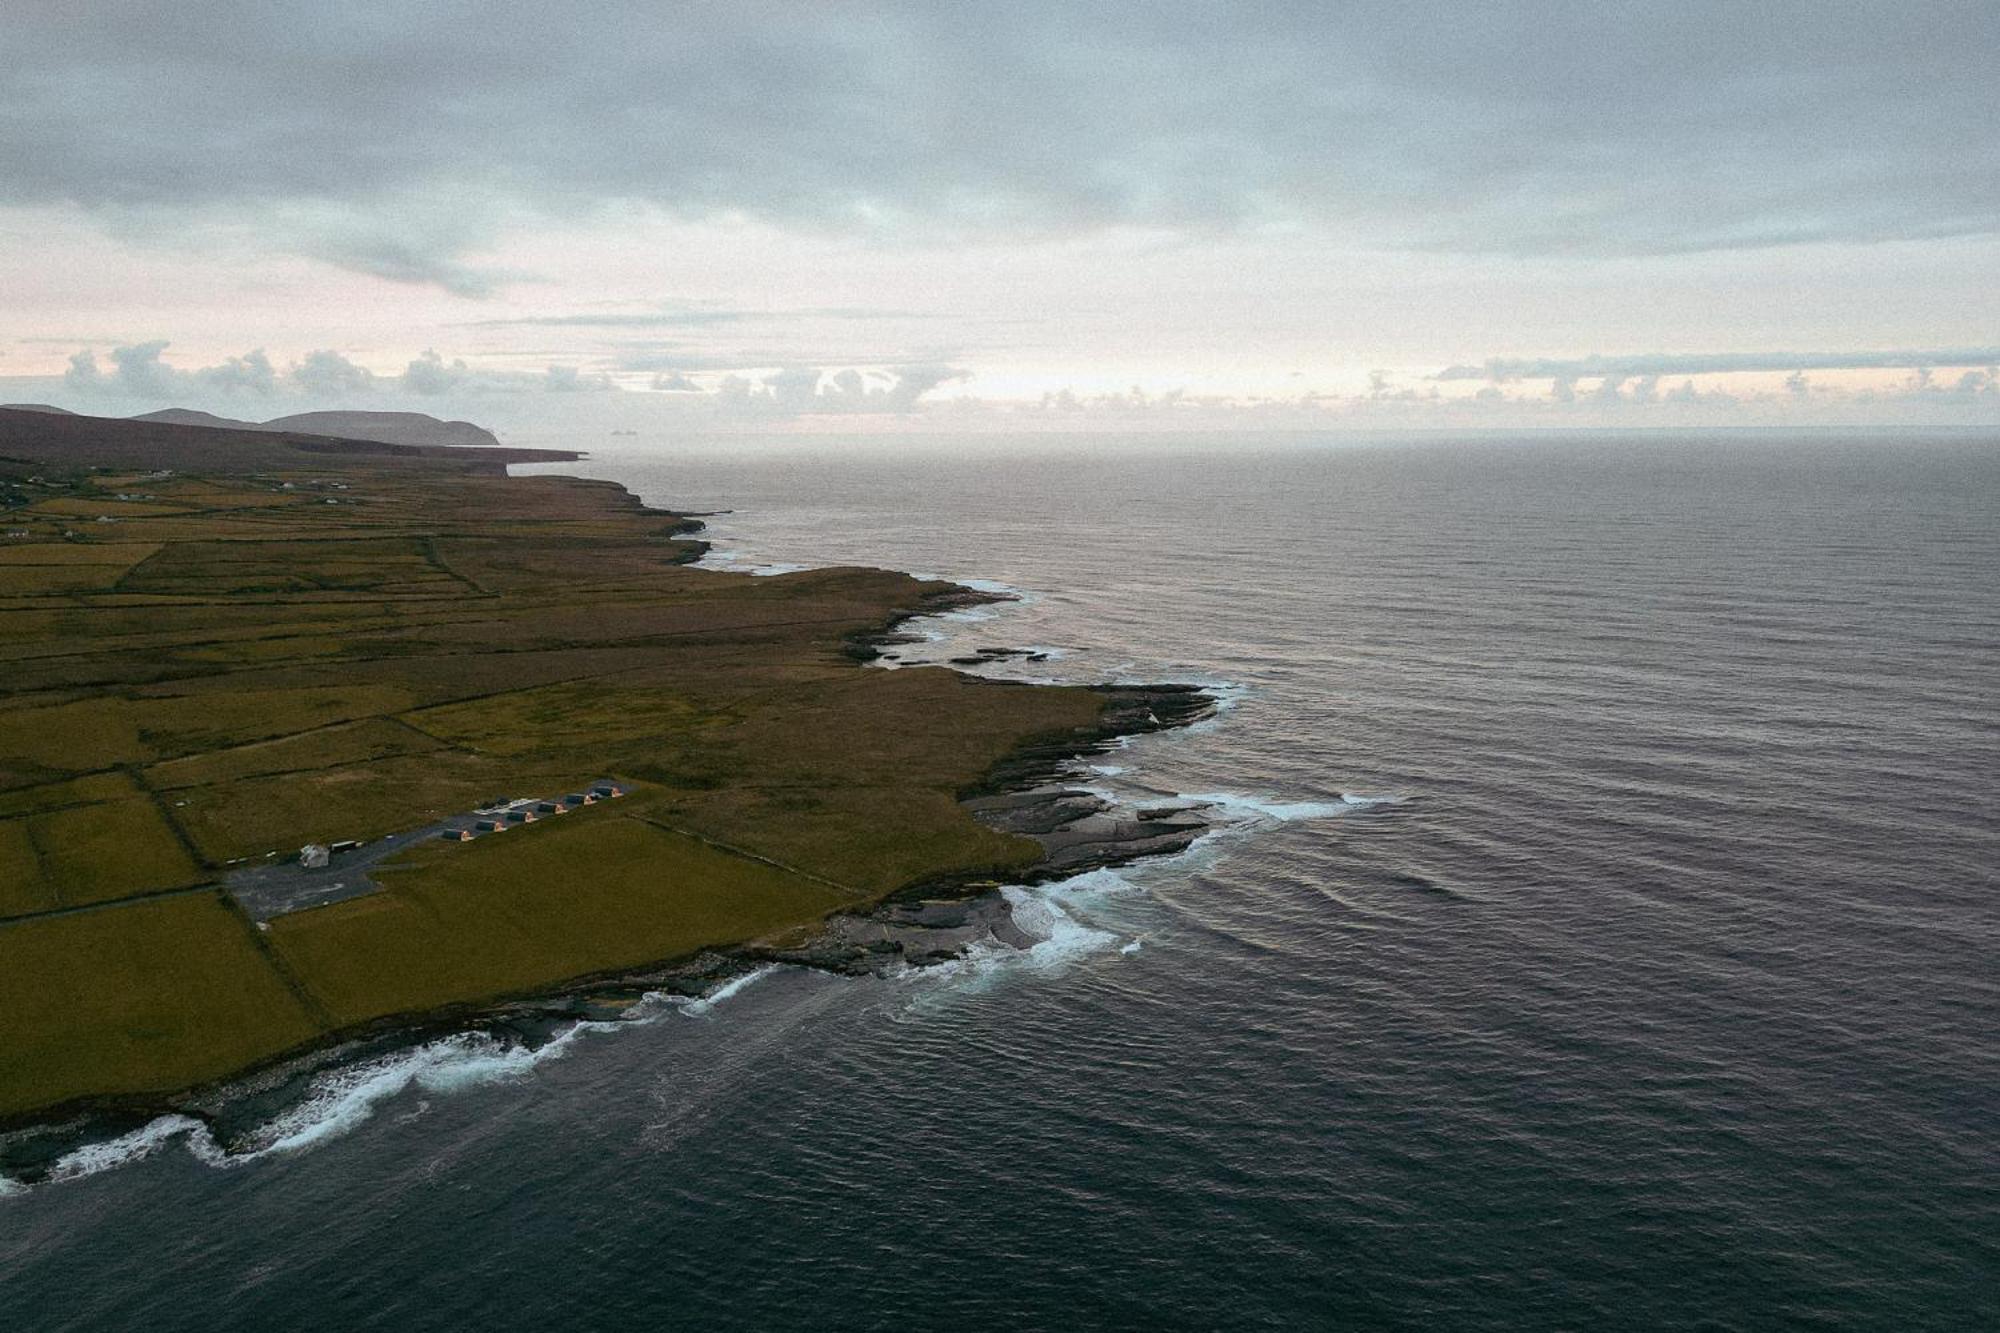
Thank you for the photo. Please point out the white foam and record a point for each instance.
(996, 587)
(735, 985)
(1059, 937)
(341, 1099)
(1057, 915)
(9, 1186)
(1049, 915)
(732, 560)
(1236, 805)
(1227, 695)
(143, 1142)
(1267, 809)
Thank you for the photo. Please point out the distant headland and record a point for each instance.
(416, 428)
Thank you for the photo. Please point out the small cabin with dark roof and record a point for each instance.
(457, 835)
(520, 816)
(490, 826)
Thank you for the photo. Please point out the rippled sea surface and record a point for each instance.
(1602, 935)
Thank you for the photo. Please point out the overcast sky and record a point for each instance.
(1017, 214)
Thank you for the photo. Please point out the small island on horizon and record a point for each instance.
(307, 738)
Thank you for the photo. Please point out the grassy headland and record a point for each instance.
(292, 639)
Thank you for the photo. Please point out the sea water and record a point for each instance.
(1598, 932)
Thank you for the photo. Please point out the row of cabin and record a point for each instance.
(522, 814)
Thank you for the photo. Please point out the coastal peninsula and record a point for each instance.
(233, 655)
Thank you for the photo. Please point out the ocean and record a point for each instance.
(1599, 932)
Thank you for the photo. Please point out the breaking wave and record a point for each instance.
(702, 1007)
(342, 1098)
(732, 561)
(1237, 807)
(1054, 916)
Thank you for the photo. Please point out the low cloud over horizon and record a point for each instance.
(1942, 388)
(1503, 369)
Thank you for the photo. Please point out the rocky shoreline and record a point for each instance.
(923, 924)
(1079, 831)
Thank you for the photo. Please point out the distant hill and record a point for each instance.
(388, 427)
(383, 427)
(36, 407)
(186, 440)
(187, 416)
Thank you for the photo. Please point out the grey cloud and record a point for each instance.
(810, 390)
(693, 318)
(669, 358)
(250, 373)
(392, 139)
(912, 382)
(569, 379)
(430, 374)
(664, 319)
(1688, 394)
(329, 373)
(137, 371)
(84, 374)
(401, 261)
(1976, 383)
(1502, 369)
(675, 383)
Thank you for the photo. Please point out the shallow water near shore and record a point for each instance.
(1598, 932)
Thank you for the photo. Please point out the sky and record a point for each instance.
(978, 216)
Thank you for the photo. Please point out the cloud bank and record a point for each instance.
(139, 371)
(1655, 364)
(400, 140)
(135, 373)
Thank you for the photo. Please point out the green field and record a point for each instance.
(148, 997)
(590, 892)
(236, 667)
